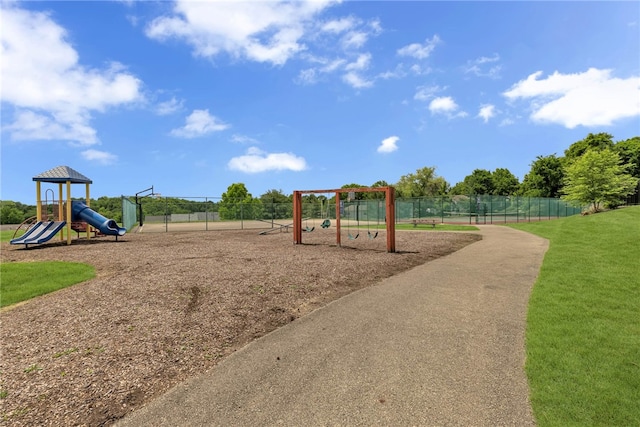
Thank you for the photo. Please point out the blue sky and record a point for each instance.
(191, 97)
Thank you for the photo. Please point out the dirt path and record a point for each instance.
(441, 344)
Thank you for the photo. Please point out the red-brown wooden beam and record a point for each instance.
(390, 210)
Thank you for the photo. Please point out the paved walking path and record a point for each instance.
(441, 344)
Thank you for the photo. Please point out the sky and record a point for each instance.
(191, 97)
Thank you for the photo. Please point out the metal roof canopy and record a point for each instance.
(62, 174)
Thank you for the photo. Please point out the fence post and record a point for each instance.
(490, 209)
(166, 214)
(506, 199)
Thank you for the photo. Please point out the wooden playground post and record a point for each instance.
(88, 228)
(60, 210)
(68, 212)
(38, 201)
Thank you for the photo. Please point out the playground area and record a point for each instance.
(167, 306)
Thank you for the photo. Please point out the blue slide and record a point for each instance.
(82, 212)
(41, 232)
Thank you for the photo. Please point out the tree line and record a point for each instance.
(594, 171)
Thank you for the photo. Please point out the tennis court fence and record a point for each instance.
(211, 213)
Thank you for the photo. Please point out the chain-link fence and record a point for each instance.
(210, 213)
(484, 209)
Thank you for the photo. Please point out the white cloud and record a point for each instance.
(243, 139)
(101, 157)
(169, 107)
(361, 63)
(334, 65)
(420, 51)
(397, 73)
(424, 93)
(308, 76)
(356, 81)
(338, 26)
(480, 68)
(447, 106)
(43, 79)
(420, 70)
(199, 123)
(256, 161)
(30, 126)
(353, 76)
(355, 39)
(266, 31)
(487, 111)
(591, 98)
(389, 145)
(274, 32)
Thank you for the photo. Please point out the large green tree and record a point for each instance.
(545, 179)
(378, 195)
(357, 196)
(479, 182)
(629, 152)
(597, 178)
(238, 203)
(15, 212)
(424, 182)
(9, 213)
(504, 182)
(276, 205)
(593, 141)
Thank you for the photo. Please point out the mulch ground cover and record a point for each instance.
(168, 306)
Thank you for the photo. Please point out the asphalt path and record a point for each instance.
(439, 345)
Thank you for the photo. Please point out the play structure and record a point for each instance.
(64, 217)
(389, 217)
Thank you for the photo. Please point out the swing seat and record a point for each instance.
(372, 236)
(309, 230)
(351, 237)
(326, 223)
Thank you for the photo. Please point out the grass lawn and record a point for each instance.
(20, 281)
(583, 322)
(6, 235)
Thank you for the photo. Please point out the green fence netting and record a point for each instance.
(129, 218)
(212, 213)
(484, 209)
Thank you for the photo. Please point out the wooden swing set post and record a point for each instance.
(390, 212)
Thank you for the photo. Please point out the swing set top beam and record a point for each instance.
(346, 190)
(390, 211)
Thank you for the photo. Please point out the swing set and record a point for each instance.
(370, 235)
(390, 214)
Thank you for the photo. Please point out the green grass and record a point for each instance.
(583, 322)
(6, 235)
(20, 281)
